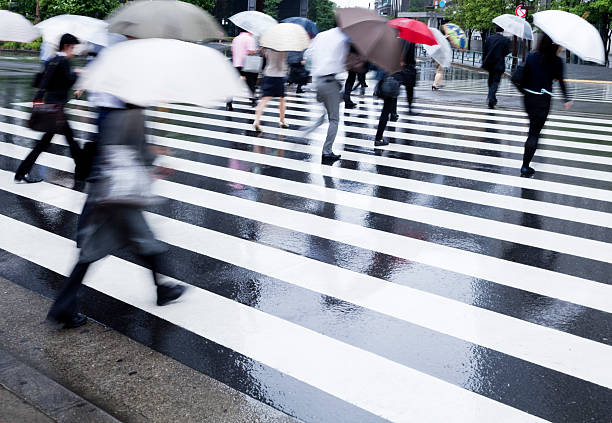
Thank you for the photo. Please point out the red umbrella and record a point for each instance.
(414, 31)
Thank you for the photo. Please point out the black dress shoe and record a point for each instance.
(380, 143)
(330, 157)
(26, 179)
(350, 105)
(527, 172)
(300, 91)
(394, 118)
(70, 321)
(491, 105)
(229, 107)
(168, 293)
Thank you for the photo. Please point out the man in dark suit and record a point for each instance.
(56, 84)
(495, 50)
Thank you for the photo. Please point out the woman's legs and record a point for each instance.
(283, 106)
(259, 111)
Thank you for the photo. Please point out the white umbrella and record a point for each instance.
(14, 27)
(285, 37)
(573, 33)
(515, 26)
(441, 52)
(82, 27)
(254, 22)
(149, 71)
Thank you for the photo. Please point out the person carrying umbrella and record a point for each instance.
(541, 68)
(57, 80)
(242, 46)
(297, 70)
(327, 56)
(356, 65)
(495, 50)
(409, 75)
(273, 85)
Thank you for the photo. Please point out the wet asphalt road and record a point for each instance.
(424, 281)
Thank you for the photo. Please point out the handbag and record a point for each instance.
(252, 64)
(122, 179)
(46, 117)
(518, 77)
(388, 87)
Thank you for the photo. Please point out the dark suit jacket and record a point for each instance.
(60, 81)
(496, 48)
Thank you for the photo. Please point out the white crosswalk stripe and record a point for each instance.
(444, 203)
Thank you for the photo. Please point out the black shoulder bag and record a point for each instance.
(46, 117)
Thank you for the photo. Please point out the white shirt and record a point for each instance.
(327, 53)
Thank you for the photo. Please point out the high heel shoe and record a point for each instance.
(434, 88)
(256, 127)
(283, 125)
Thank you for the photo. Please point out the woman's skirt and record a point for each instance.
(273, 86)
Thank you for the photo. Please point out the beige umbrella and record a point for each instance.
(164, 19)
(285, 37)
(14, 27)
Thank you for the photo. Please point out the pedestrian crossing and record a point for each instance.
(419, 281)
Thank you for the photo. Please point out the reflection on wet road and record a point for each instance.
(421, 281)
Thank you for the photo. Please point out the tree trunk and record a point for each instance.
(37, 19)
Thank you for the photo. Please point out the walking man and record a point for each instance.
(495, 50)
(327, 56)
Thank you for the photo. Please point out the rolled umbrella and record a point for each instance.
(83, 27)
(152, 71)
(372, 37)
(14, 27)
(515, 26)
(285, 37)
(573, 33)
(311, 28)
(253, 21)
(414, 31)
(440, 52)
(164, 19)
(456, 36)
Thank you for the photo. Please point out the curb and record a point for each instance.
(46, 395)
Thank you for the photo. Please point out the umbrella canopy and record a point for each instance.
(147, 72)
(573, 33)
(14, 27)
(414, 31)
(456, 36)
(82, 27)
(311, 28)
(164, 19)
(515, 26)
(285, 37)
(254, 22)
(371, 36)
(441, 52)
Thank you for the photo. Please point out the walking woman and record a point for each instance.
(57, 80)
(438, 78)
(120, 187)
(541, 68)
(273, 85)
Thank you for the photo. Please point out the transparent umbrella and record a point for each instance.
(82, 27)
(573, 33)
(152, 71)
(14, 27)
(254, 22)
(515, 26)
(441, 52)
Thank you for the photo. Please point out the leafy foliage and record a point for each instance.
(271, 7)
(322, 13)
(477, 14)
(208, 5)
(93, 8)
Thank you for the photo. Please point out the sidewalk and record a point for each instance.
(588, 73)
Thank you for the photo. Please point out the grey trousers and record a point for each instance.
(328, 93)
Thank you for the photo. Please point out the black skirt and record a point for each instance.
(273, 86)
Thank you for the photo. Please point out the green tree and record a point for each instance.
(322, 13)
(93, 8)
(271, 7)
(208, 5)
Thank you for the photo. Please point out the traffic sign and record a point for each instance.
(521, 12)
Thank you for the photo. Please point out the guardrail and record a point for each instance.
(468, 57)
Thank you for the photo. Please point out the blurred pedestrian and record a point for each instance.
(242, 46)
(409, 76)
(356, 65)
(56, 82)
(541, 68)
(273, 85)
(387, 89)
(297, 70)
(327, 56)
(438, 78)
(120, 187)
(494, 53)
